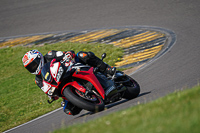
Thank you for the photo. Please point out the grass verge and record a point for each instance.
(175, 113)
(21, 99)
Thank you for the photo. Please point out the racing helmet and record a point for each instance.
(33, 61)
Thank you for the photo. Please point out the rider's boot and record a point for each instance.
(105, 68)
(64, 105)
(110, 70)
(69, 108)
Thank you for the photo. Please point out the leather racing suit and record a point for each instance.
(81, 57)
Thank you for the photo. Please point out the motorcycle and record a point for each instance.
(85, 86)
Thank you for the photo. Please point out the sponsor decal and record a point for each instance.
(84, 55)
(47, 74)
(54, 69)
(60, 72)
(25, 59)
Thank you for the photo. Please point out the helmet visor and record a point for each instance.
(32, 67)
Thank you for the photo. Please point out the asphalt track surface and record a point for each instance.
(177, 69)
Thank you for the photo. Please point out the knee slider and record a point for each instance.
(83, 56)
(86, 55)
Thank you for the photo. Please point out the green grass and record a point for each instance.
(21, 99)
(176, 113)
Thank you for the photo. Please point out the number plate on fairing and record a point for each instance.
(46, 86)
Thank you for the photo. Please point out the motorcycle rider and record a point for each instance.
(34, 61)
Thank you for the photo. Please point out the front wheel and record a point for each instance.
(133, 89)
(91, 105)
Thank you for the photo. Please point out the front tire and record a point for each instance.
(133, 89)
(82, 103)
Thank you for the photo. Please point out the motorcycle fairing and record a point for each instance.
(47, 86)
(75, 85)
(54, 69)
(89, 76)
(45, 73)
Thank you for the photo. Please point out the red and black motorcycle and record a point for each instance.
(85, 86)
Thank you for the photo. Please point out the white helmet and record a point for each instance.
(33, 61)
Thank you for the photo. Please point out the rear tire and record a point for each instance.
(82, 103)
(133, 89)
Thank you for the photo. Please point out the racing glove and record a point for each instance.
(68, 58)
(69, 55)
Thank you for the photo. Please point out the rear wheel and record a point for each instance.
(91, 102)
(133, 89)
